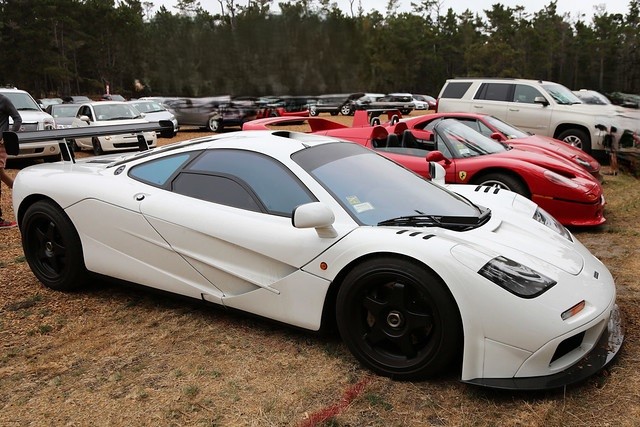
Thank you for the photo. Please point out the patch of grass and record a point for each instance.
(45, 329)
(20, 259)
(191, 390)
(378, 401)
(25, 303)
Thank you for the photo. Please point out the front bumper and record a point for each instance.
(603, 353)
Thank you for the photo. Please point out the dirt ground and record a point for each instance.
(114, 356)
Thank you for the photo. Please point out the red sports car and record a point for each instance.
(501, 131)
(565, 190)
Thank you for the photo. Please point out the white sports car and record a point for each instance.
(312, 231)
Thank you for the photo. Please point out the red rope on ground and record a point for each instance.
(331, 411)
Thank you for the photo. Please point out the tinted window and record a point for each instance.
(525, 94)
(455, 90)
(157, 172)
(217, 189)
(495, 91)
(273, 184)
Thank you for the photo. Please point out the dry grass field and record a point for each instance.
(120, 356)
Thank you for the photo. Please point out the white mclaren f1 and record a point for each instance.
(312, 231)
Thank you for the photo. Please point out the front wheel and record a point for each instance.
(313, 112)
(214, 124)
(578, 138)
(97, 147)
(346, 110)
(398, 318)
(52, 247)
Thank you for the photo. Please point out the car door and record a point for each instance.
(524, 113)
(228, 213)
(492, 99)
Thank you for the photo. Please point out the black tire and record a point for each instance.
(97, 147)
(313, 112)
(578, 138)
(504, 181)
(346, 110)
(398, 318)
(214, 124)
(52, 247)
(333, 113)
(74, 146)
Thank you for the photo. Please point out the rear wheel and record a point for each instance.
(398, 318)
(504, 181)
(346, 110)
(52, 247)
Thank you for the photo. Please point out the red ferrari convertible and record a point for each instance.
(501, 131)
(565, 190)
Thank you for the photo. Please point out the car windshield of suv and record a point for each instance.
(64, 110)
(22, 101)
(463, 141)
(374, 189)
(561, 94)
(506, 129)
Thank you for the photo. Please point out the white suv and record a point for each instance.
(536, 106)
(33, 118)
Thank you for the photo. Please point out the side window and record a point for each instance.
(525, 94)
(85, 111)
(495, 92)
(216, 189)
(243, 175)
(157, 172)
(484, 129)
(455, 90)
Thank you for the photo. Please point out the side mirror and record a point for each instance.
(497, 136)
(540, 100)
(85, 119)
(437, 156)
(315, 215)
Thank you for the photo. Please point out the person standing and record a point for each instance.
(7, 109)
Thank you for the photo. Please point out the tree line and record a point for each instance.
(67, 47)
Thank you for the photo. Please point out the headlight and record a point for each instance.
(559, 179)
(582, 162)
(543, 217)
(516, 278)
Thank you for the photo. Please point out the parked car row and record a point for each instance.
(348, 103)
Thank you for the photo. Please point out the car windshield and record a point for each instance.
(592, 97)
(375, 190)
(148, 107)
(463, 141)
(506, 129)
(22, 101)
(64, 110)
(561, 94)
(115, 112)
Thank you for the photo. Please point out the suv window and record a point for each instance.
(526, 94)
(455, 90)
(495, 92)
